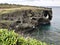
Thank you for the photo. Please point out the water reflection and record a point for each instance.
(40, 32)
(44, 33)
(44, 27)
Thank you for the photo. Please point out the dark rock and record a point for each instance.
(27, 19)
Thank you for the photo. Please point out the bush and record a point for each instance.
(12, 38)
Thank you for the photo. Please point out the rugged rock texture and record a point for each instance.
(24, 17)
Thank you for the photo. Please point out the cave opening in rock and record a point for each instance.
(48, 15)
(18, 21)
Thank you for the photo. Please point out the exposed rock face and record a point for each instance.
(28, 18)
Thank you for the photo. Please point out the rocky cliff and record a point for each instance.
(24, 17)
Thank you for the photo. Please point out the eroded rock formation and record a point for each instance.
(27, 18)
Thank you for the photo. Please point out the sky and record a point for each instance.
(33, 2)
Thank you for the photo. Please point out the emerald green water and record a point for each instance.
(49, 33)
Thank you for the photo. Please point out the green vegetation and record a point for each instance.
(10, 8)
(6, 5)
(12, 38)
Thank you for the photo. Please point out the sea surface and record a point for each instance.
(49, 33)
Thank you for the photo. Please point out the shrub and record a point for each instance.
(12, 38)
(8, 38)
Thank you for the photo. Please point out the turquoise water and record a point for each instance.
(49, 33)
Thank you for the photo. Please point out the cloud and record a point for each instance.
(34, 2)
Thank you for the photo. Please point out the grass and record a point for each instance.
(10, 8)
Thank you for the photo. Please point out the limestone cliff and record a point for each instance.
(24, 17)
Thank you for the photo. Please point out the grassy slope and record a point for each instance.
(9, 8)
